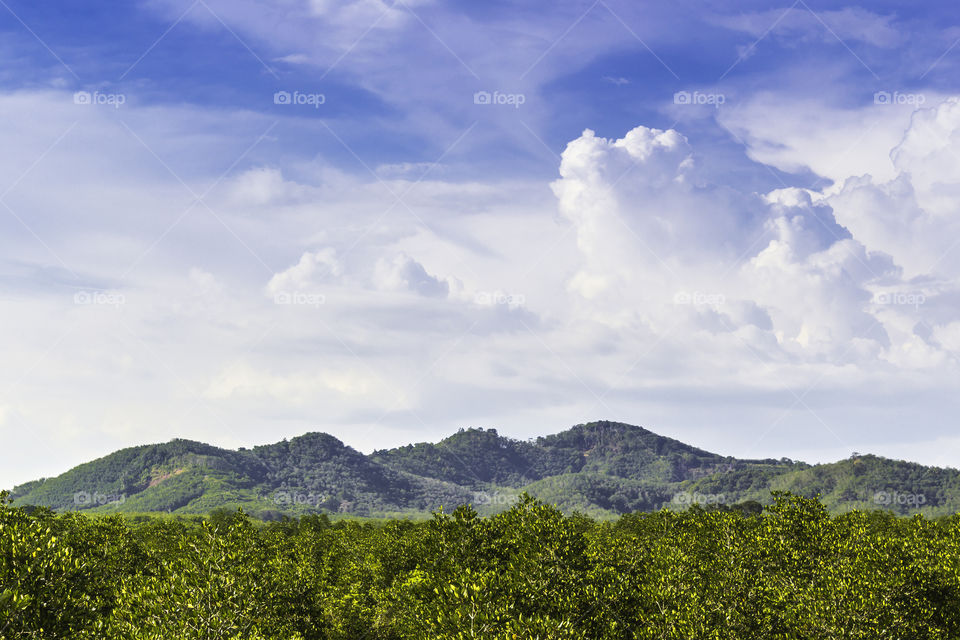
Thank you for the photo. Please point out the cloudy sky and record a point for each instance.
(239, 220)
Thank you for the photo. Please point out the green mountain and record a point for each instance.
(600, 468)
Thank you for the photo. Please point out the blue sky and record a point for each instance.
(733, 225)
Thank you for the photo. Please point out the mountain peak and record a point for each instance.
(601, 467)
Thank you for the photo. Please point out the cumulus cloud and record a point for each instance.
(662, 247)
(403, 273)
(637, 202)
(912, 216)
(313, 269)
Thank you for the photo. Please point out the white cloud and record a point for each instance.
(912, 215)
(779, 273)
(850, 23)
(263, 186)
(797, 133)
(403, 273)
(359, 12)
(313, 269)
(243, 383)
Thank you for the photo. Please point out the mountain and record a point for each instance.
(474, 457)
(600, 468)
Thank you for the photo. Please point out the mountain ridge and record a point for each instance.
(601, 468)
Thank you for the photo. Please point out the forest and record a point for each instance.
(789, 570)
(601, 469)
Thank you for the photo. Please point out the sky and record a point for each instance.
(237, 221)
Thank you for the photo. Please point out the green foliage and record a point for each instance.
(215, 582)
(791, 571)
(58, 573)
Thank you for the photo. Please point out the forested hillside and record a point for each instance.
(601, 468)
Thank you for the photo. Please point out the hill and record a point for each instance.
(600, 468)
